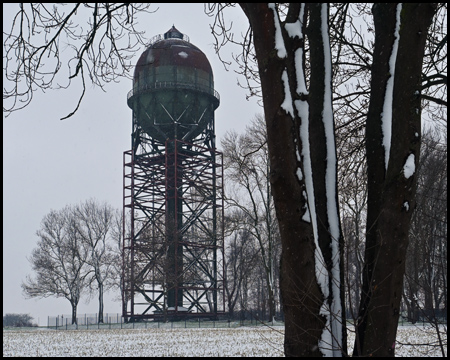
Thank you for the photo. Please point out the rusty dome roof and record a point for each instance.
(173, 48)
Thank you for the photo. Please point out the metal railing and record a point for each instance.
(147, 87)
(160, 37)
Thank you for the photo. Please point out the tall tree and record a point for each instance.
(425, 289)
(59, 260)
(306, 206)
(393, 147)
(94, 225)
(246, 163)
(241, 258)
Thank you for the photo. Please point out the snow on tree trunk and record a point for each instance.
(386, 115)
(302, 297)
(391, 164)
(324, 174)
(310, 293)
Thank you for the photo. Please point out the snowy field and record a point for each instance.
(248, 341)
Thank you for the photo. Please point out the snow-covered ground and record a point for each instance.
(248, 341)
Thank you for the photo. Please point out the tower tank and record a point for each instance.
(173, 187)
(173, 94)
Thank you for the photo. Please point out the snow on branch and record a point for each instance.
(279, 42)
(287, 103)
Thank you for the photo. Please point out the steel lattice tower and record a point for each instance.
(173, 187)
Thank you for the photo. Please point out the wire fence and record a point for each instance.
(117, 321)
(241, 318)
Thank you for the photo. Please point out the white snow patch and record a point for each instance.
(287, 103)
(406, 206)
(297, 154)
(303, 111)
(306, 216)
(294, 29)
(150, 57)
(301, 84)
(330, 343)
(299, 174)
(409, 167)
(386, 115)
(183, 54)
(279, 42)
(298, 58)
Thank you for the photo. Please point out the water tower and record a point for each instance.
(173, 187)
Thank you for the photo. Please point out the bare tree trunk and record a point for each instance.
(324, 172)
(100, 302)
(74, 312)
(392, 152)
(301, 294)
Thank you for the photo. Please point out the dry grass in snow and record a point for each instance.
(254, 341)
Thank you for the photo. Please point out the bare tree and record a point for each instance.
(98, 51)
(246, 164)
(241, 258)
(392, 145)
(94, 225)
(425, 290)
(120, 265)
(59, 260)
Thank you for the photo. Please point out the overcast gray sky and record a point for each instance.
(48, 163)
